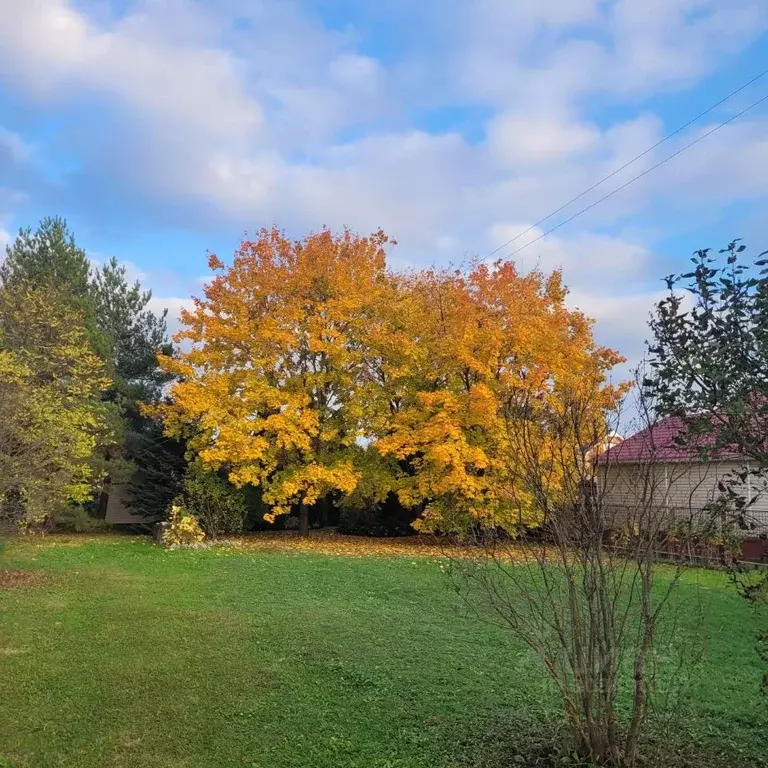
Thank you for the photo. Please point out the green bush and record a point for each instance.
(291, 523)
(75, 517)
(217, 504)
(254, 519)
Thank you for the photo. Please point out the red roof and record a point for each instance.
(658, 443)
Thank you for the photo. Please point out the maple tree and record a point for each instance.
(267, 389)
(314, 370)
(482, 365)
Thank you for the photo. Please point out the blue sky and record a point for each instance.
(162, 128)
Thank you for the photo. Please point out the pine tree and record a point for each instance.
(134, 335)
(49, 256)
(122, 330)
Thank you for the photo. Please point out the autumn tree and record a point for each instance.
(267, 389)
(52, 418)
(470, 358)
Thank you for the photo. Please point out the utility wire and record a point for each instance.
(627, 164)
(627, 183)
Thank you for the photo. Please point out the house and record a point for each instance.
(118, 511)
(653, 468)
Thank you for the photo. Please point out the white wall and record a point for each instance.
(684, 489)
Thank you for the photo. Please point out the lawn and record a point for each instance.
(122, 654)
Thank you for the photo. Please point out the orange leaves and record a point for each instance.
(269, 383)
(312, 369)
(489, 356)
(340, 545)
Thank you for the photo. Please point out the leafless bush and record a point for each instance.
(585, 591)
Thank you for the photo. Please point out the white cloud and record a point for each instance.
(53, 47)
(174, 305)
(663, 43)
(520, 139)
(517, 53)
(14, 145)
(277, 118)
(360, 73)
(621, 323)
(585, 259)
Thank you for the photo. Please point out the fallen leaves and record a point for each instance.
(15, 579)
(330, 543)
(323, 542)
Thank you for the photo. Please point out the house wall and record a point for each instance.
(683, 490)
(118, 512)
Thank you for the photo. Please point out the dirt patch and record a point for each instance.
(18, 579)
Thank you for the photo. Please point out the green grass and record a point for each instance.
(133, 656)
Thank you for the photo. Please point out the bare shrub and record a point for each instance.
(585, 591)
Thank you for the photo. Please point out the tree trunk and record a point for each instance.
(324, 512)
(303, 520)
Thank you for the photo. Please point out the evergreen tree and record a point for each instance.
(48, 256)
(134, 334)
(158, 468)
(125, 333)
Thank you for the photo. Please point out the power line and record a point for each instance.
(627, 164)
(635, 178)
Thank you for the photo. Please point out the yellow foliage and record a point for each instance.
(184, 529)
(52, 417)
(268, 388)
(479, 387)
(300, 351)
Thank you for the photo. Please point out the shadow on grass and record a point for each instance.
(510, 739)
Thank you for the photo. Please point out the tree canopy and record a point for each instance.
(52, 415)
(303, 352)
(48, 255)
(134, 333)
(489, 352)
(267, 389)
(708, 362)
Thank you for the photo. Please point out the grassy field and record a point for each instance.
(121, 654)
